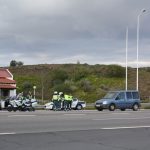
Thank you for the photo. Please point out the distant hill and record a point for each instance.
(87, 82)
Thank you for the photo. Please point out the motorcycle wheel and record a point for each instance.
(14, 109)
(9, 109)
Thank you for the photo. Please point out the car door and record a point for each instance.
(120, 100)
(129, 99)
(74, 103)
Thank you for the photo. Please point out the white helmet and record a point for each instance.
(60, 93)
(55, 92)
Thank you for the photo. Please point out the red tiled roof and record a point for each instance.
(5, 73)
(3, 80)
(7, 86)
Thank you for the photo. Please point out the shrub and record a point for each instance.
(115, 71)
(58, 76)
(86, 85)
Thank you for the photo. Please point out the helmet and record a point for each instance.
(60, 93)
(55, 92)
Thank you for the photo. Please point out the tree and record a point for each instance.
(19, 63)
(13, 63)
(26, 87)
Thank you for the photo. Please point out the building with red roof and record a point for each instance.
(7, 84)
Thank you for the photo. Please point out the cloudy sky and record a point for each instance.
(67, 31)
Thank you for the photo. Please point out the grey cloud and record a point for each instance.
(64, 30)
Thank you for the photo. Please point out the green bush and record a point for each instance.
(58, 76)
(86, 85)
(115, 71)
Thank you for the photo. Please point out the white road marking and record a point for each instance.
(22, 116)
(74, 114)
(132, 127)
(105, 119)
(7, 133)
(120, 113)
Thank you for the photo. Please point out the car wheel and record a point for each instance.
(112, 107)
(135, 107)
(79, 107)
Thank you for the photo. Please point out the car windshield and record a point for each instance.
(110, 95)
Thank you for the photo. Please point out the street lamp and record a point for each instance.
(126, 58)
(138, 27)
(34, 87)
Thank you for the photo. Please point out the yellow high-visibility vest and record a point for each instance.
(70, 97)
(66, 97)
(55, 97)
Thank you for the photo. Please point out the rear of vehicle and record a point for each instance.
(119, 100)
(133, 100)
(49, 106)
(77, 104)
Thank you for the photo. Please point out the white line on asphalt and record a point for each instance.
(7, 133)
(132, 127)
(105, 119)
(120, 113)
(22, 116)
(74, 114)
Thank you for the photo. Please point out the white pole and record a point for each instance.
(34, 87)
(127, 59)
(138, 27)
(137, 57)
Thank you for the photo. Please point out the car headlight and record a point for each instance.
(104, 102)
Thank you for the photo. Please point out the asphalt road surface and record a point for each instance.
(85, 130)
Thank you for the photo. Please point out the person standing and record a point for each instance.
(66, 99)
(55, 100)
(70, 102)
(29, 96)
(60, 100)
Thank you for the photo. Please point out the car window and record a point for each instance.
(129, 95)
(120, 96)
(135, 95)
(74, 99)
(110, 95)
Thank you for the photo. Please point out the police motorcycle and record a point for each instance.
(12, 104)
(27, 105)
(20, 105)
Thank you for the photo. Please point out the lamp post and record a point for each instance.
(126, 58)
(138, 27)
(34, 87)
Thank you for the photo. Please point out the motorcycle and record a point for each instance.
(21, 105)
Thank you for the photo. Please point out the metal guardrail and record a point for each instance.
(92, 105)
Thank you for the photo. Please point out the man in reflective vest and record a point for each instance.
(70, 102)
(60, 100)
(66, 99)
(55, 100)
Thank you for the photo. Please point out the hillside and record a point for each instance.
(87, 82)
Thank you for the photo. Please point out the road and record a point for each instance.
(90, 130)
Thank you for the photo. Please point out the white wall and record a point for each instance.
(12, 92)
